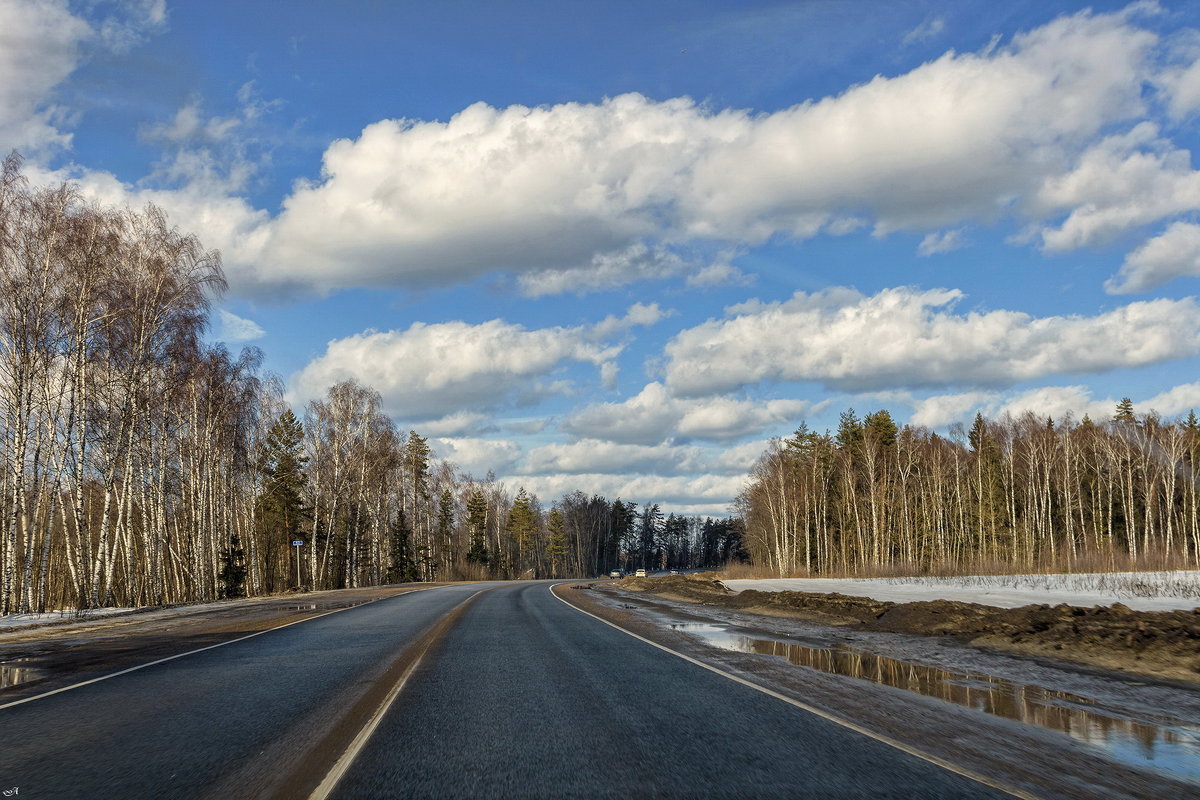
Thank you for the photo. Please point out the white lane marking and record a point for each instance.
(845, 723)
(199, 650)
(340, 767)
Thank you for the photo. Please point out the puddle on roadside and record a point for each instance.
(13, 672)
(1161, 743)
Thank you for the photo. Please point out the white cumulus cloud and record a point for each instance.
(1050, 127)
(1175, 253)
(477, 456)
(653, 415)
(1119, 184)
(705, 494)
(593, 455)
(1056, 402)
(431, 370)
(40, 45)
(584, 196)
(910, 338)
(941, 410)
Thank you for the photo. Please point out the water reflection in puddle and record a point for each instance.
(13, 672)
(326, 606)
(1169, 745)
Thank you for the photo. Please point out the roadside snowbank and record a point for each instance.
(1140, 591)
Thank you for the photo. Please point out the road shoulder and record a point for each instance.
(1039, 762)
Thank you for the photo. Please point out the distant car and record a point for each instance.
(617, 573)
(641, 573)
(674, 572)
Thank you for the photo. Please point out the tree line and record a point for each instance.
(1026, 492)
(373, 505)
(143, 465)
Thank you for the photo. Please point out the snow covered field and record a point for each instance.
(21, 620)
(1141, 591)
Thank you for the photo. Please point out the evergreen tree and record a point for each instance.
(850, 432)
(621, 532)
(648, 535)
(477, 528)
(403, 567)
(674, 540)
(881, 428)
(1124, 413)
(522, 525)
(233, 569)
(710, 543)
(281, 509)
(445, 525)
(557, 545)
(733, 547)
(988, 483)
(416, 466)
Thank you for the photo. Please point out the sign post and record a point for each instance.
(299, 578)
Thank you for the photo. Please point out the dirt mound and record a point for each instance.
(1164, 643)
(1156, 642)
(692, 588)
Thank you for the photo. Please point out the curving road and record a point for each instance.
(490, 690)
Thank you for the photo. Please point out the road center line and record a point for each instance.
(197, 650)
(912, 751)
(417, 653)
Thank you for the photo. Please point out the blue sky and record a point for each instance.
(618, 246)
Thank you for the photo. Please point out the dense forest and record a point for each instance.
(144, 465)
(1026, 492)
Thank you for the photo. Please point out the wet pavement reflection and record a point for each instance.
(13, 672)
(1165, 744)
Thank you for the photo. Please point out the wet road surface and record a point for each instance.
(515, 694)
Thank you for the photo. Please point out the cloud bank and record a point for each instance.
(908, 338)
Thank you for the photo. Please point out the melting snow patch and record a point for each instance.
(21, 620)
(1140, 591)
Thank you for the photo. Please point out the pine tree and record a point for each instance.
(416, 465)
(1124, 412)
(233, 569)
(281, 506)
(850, 432)
(649, 531)
(477, 528)
(881, 428)
(522, 525)
(988, 483)
(403, 567)
(446, 525)
(557, 545)
(620, 541)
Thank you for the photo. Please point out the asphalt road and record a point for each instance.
(517, 695)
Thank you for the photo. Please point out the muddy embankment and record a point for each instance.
(1164, 644)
